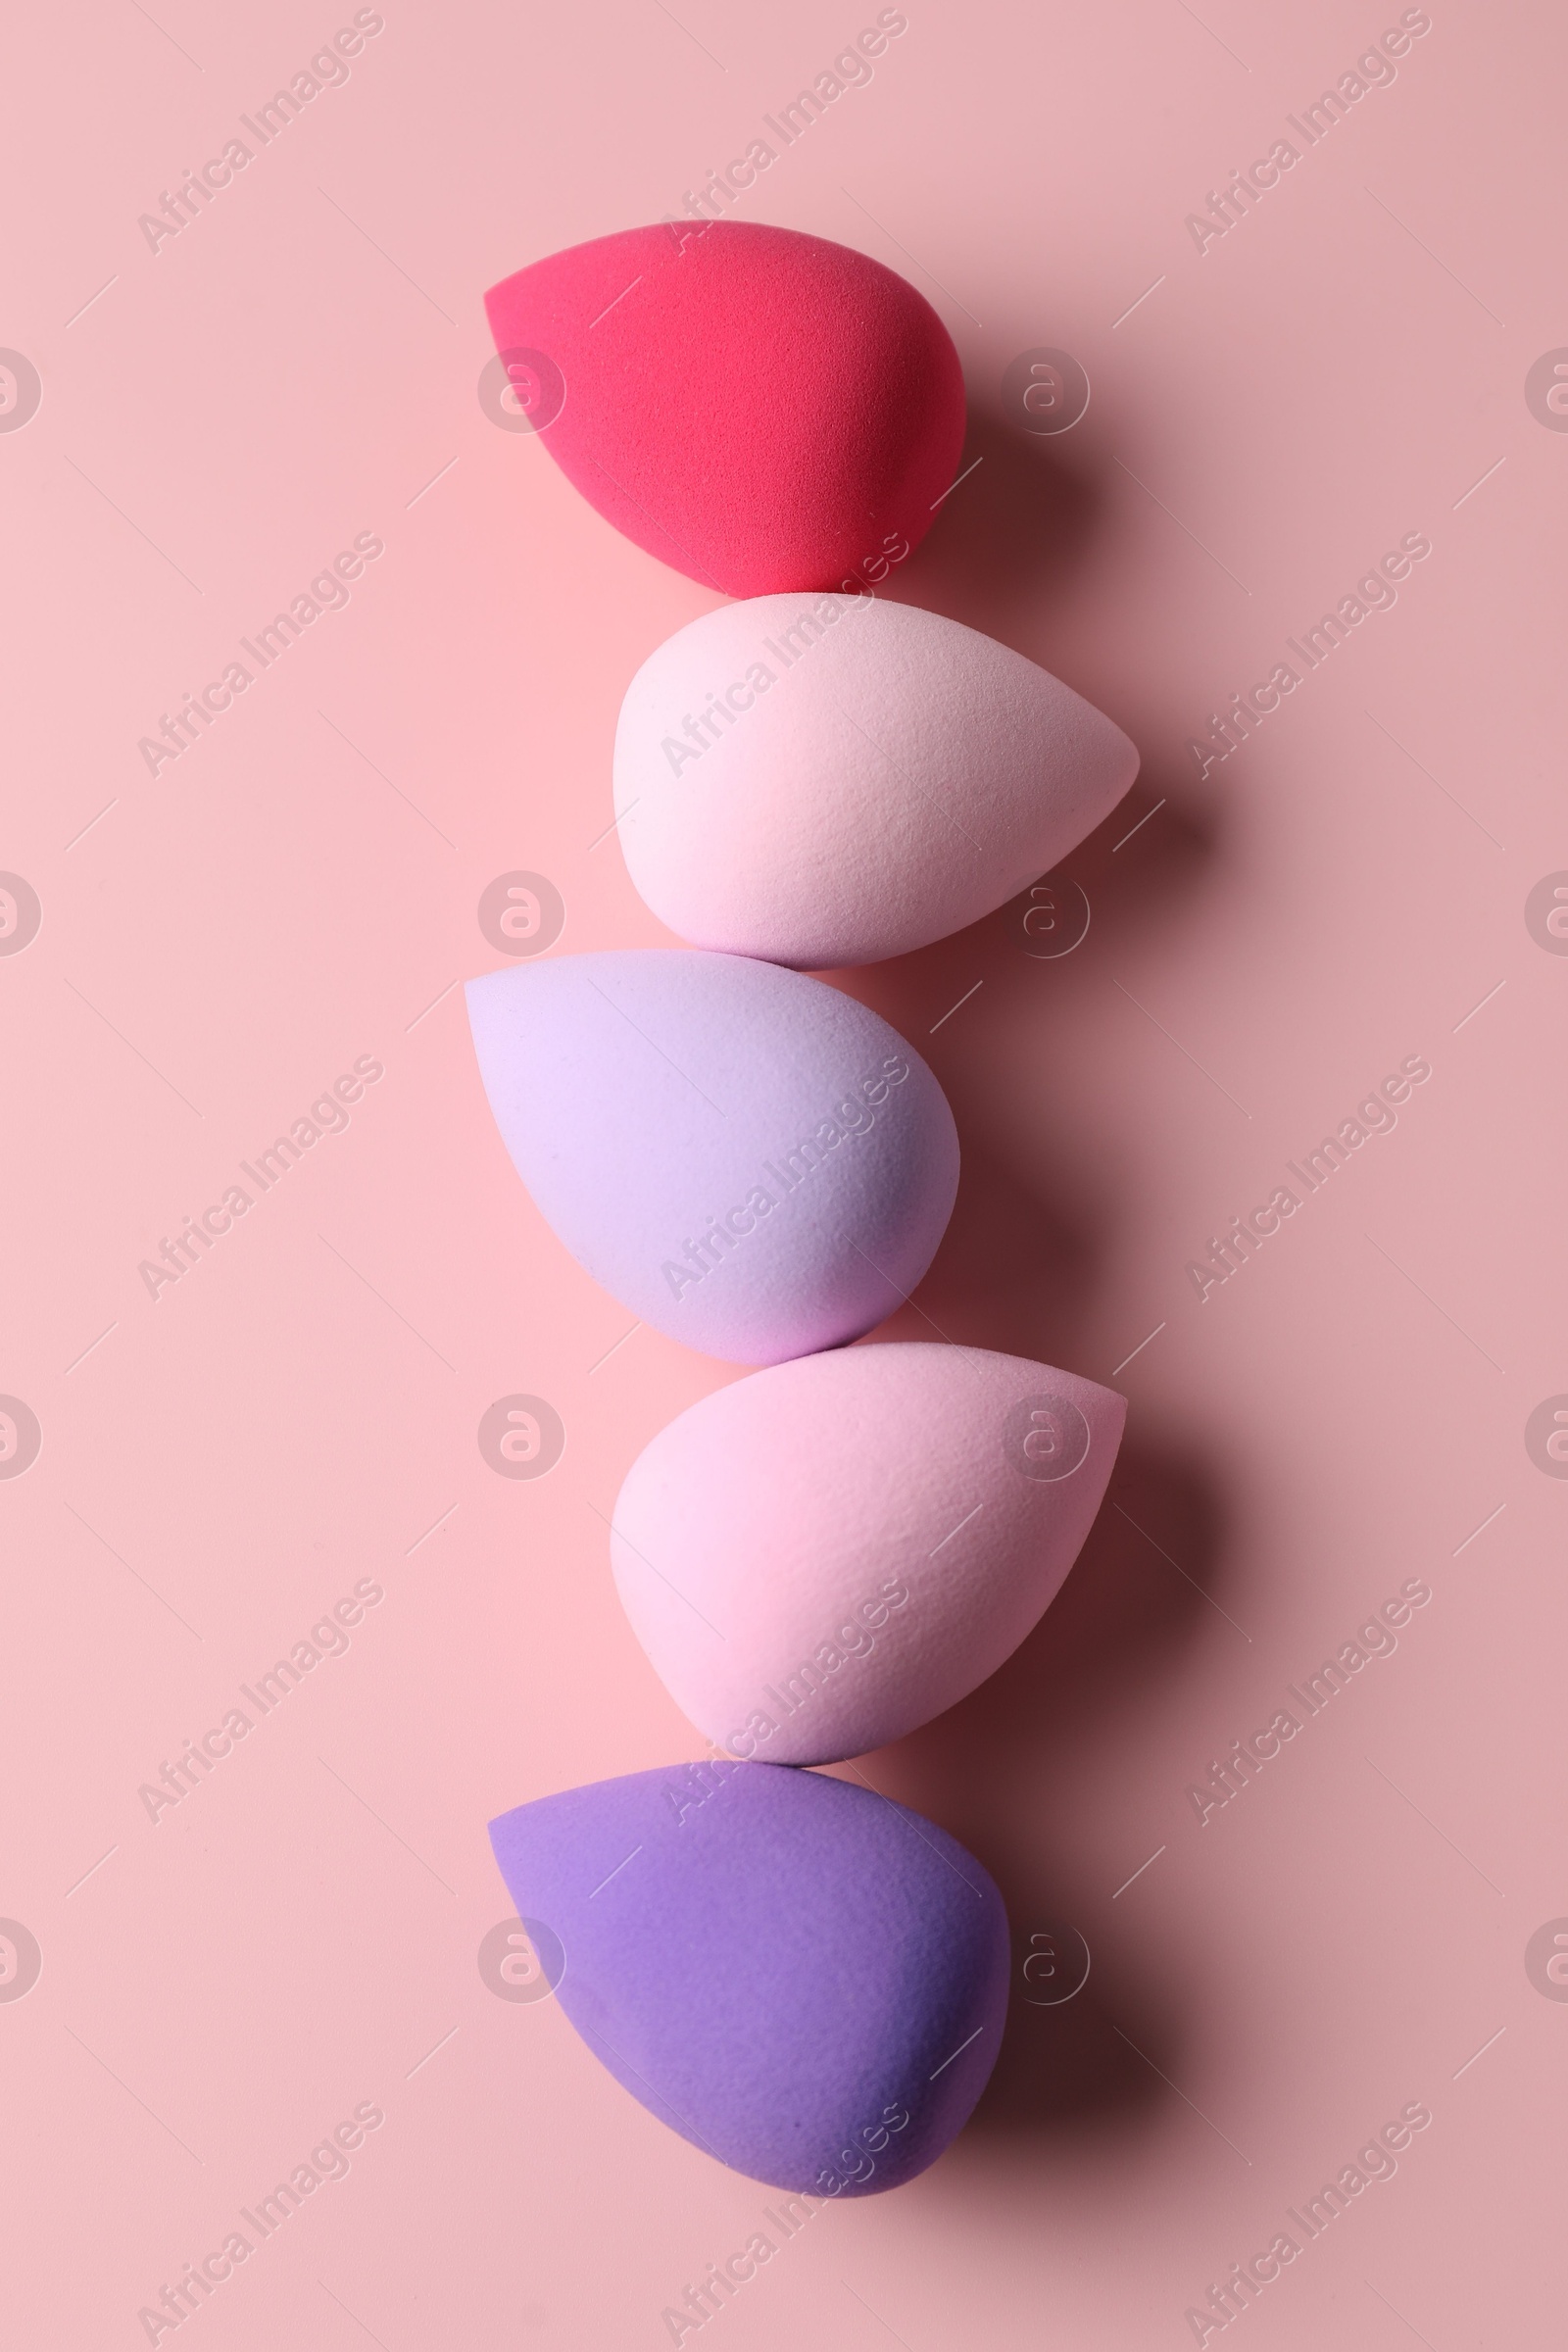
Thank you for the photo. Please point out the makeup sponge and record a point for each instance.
(826, 780)
(756, 408)
(820, 1558)
(801, 1976)
(748, 1159)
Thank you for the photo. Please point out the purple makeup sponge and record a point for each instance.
(805, 1979)
(746, 1158)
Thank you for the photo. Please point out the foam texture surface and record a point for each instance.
(748, 1158)
(820, 1558)
(756, 408)
(778, 1965)
(827, 780)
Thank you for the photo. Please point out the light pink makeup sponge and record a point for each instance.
(825, 780)
(820, 1558)
(756, 408)
(748, 1159)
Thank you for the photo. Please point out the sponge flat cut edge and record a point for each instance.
(805, 1979)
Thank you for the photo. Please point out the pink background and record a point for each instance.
(299, 1935)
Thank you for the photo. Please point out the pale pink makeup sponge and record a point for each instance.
(748, 1159)
(820, 1558)
(825, 780)
(756, 408)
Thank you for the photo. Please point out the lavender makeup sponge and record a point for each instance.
(826, 780)
(748, 1159)
(802, 1978)
(822, 1557)
(759, 409)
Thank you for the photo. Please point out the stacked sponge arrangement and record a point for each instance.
(798, 1974)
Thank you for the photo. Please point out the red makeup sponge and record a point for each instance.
(759, 409)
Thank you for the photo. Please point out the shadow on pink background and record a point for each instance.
(296, 1941)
